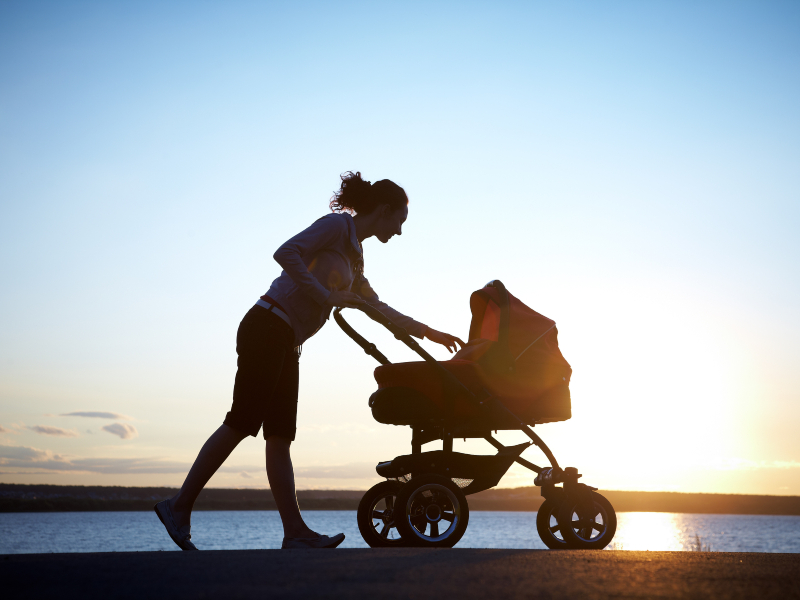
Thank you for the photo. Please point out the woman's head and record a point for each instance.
(384, 202)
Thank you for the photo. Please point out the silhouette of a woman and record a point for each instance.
(323, 268)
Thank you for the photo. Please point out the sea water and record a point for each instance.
(229, 530)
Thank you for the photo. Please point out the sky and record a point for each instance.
(629, 169)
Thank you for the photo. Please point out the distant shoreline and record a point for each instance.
(67, 498)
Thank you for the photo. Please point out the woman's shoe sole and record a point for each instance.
(160, 518)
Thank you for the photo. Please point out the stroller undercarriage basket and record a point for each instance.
(483, 472)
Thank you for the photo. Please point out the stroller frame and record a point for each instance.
(475, 473)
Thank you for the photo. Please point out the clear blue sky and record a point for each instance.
(630, 169)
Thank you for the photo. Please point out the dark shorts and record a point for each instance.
(267, 380)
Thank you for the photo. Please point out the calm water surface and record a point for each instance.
(228, 530)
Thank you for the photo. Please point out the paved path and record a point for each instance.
(402, 573)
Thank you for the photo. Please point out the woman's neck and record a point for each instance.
(365, 226)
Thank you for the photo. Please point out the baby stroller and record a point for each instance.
(510, 375)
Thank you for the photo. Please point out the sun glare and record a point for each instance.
(647, 531)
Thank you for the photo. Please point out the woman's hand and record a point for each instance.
(344, 299)
(445, 339)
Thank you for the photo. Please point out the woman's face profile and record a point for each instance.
(391, 222)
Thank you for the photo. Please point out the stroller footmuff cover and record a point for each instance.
(510, 375)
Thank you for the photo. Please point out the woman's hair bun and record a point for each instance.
(355, 195)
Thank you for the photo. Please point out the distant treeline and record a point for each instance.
(64, 498)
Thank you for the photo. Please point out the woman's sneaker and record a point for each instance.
(321, 541)
(181, 536)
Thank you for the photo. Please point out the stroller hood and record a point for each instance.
(518, 354)
(503, 323)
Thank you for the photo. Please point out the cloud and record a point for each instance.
(338, 427)
(246, 475)
(96, 415)
(23, 453)
(57, 431)
(46, 461)
(126, 432)
(15, 428)
(742, 464)
(349, 471)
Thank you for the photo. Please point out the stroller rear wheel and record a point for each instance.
(588, 523)
(376, 516)
(548, 526)
(432, 512)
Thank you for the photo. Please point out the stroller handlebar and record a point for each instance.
(370, 348)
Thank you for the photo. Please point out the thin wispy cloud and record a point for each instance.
(14, 428)
(56, 431)
(96, 414)
(348, 471)
(122, 430)
(354, 428)
(24, 454)
(46, 461)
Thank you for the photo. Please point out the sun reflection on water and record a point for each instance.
(648, 531)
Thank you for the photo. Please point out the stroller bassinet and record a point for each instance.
(510, 375)
(512, 355)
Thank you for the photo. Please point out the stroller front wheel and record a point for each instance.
(588, 523)
(432, 512)
(376, 516)
(549, 527)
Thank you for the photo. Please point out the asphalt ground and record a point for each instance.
(400, 573)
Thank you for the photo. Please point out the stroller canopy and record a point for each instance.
(498, 316)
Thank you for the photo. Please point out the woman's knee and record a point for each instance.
(232, 432)
(278, 441)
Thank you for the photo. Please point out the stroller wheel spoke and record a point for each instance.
(417, 521)
(449, 517)
(555, 528)
(375, 518)
(598, 526)
(434, 529)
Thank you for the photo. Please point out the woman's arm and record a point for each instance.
(322, 232)
(445, 339)
(415, 328)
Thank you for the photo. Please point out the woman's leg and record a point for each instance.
(213, 453)
(281, 482)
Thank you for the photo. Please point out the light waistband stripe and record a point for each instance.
(275, 310)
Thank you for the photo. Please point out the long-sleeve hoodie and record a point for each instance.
(324, 258)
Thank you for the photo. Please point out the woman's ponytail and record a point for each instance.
(358, 196)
